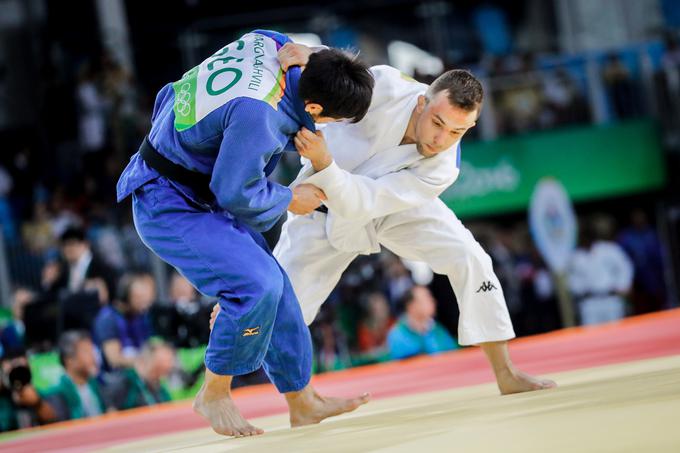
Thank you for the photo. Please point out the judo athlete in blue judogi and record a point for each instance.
(201, 198)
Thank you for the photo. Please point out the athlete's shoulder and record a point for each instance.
(393, 86)
(249, 107)
(386, 72)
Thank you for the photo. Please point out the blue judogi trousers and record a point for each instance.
(260, 321)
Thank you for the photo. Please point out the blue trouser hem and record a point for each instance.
(294, 386)
(230, 371)
(290, 386)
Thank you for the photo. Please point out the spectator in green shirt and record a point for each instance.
(141, 385)
(417, 332)
(78, 393)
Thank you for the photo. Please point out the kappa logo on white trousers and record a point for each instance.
(486, 286)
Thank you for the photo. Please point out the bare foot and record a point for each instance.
(223, 415)
(515, 381)
(308, 407)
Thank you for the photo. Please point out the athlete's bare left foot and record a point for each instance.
(308, 407)
(214, 402)
(223, 416)
(515, 381)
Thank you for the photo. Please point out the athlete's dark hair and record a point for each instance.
(463, 89)
(338, 82)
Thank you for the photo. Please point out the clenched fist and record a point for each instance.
(292, 54)
(312, 145)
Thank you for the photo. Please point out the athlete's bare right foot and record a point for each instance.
(516, 381)
(308, 407)
(222, 414)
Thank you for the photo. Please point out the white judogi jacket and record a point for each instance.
(372, 175)
(381, 193)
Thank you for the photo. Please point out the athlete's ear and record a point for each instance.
(313, 108)
(422, 101)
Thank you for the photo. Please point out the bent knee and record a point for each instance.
(462, 259)
(268, 284)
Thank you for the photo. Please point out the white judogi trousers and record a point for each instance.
(431, 233)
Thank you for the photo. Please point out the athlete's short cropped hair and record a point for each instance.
(463, 89)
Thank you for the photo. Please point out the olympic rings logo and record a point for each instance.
(182, 100)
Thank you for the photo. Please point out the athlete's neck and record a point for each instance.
(410, 134)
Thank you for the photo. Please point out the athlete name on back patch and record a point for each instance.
(247, 67)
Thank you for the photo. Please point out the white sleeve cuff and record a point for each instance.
(326, 178)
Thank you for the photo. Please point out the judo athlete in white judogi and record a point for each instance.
(382, 178)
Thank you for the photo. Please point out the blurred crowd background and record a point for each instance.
(587, 91)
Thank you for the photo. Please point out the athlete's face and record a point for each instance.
(440, 125)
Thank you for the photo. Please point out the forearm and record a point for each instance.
(362, 198)
(113, 353)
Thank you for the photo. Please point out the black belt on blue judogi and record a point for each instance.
(198, 182)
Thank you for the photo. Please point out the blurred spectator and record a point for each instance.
(417, 332)
(182, 320)
(331, 350)
(373, 329)
(21, 405)
(183, 294)
(600, 275)
(671, 58)
(499, 242)
(330, 343)
(92, 107)
(7, 221)
(25, 181)
(121, 94)
(620, 87)
(62, 215)
(12, 333)
(565, 103)
(142, 384)
(122, 329)
(539, 309)
(398, 280)
(81, 269)
(78, 393)
(643, 246)
(519, 96)
(38, 233)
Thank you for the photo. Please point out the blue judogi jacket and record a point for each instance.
(238, 144)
